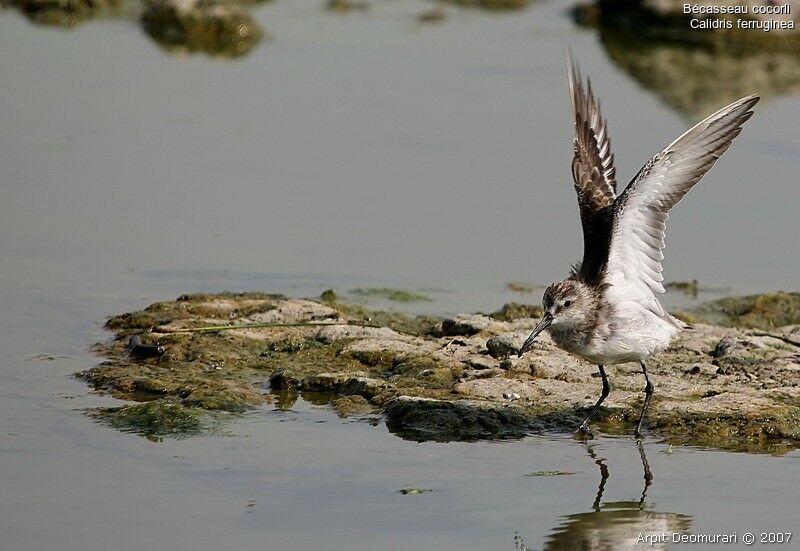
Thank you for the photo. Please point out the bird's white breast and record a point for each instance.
(629, 333)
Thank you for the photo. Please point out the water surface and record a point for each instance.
(346, 151)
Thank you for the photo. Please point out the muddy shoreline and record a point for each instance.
(733, 385)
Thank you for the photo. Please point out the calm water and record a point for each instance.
(347, 151)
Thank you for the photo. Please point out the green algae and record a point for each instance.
(513, 311)
(394, 295)
(154, 420)
(776, 432)
(347, 406)
(444, 421)
(221, 29)
(412, 325)
(329, 296)
(757, 311)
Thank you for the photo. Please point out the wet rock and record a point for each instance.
(209, 26)
(365, 386)
(154, 420)
(283, 380)
(465, 324)
(329, 296)
(512, 311)
(324, 382)
(481, 362)
(345, 384)
(63, 13)
(766, 311)
(138, 349)
(347, 406)
(507, 344)
(442, 421)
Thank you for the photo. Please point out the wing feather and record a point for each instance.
(593, 172)
(633, 270)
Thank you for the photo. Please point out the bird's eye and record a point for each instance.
(567, 303)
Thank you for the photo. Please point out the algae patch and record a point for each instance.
(761, 311)
(512, 311)
(155, 419)
(215, 28)
(394, 295)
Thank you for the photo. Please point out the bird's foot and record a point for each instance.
(638, 434)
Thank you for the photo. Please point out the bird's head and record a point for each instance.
(566, 303)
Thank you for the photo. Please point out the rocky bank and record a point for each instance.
(733, 385)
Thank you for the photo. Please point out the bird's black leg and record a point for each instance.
(648, 393)
(603, 394)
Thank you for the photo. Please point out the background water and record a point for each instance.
(344, 151)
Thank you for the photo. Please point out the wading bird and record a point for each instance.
(606, 311)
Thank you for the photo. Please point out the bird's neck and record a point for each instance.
(577, 333)
(572, 336)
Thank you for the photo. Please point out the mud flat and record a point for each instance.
(188, 361)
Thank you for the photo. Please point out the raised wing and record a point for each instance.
(593, 172)
(640, 213)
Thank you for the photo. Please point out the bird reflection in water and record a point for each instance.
(617, 525)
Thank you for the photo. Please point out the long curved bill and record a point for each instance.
(541, 326)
